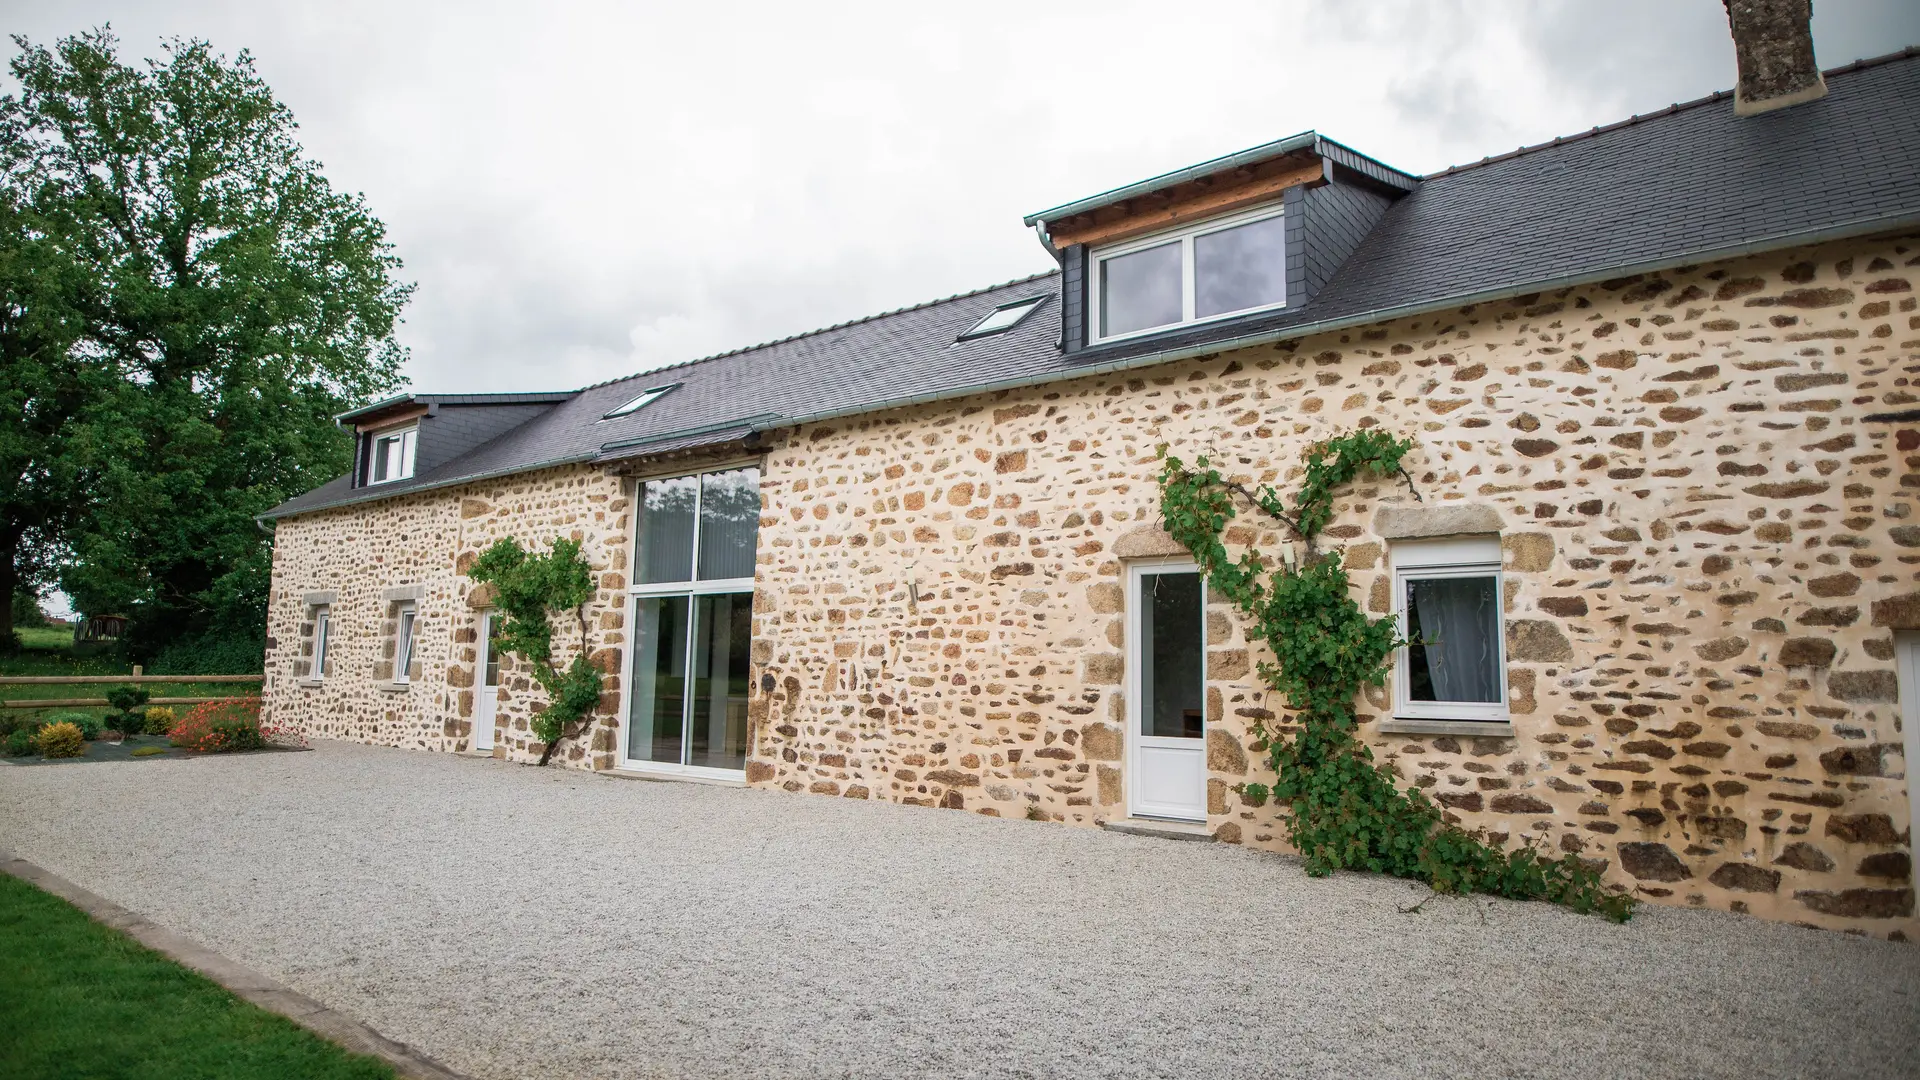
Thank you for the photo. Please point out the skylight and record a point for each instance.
(1004, 317)
(640, 402)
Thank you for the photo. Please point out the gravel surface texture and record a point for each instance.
(518, 922)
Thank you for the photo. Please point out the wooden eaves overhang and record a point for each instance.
(1248, 178)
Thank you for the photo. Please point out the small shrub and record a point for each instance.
(60, 740)
(128, 724)
(219, 727)
(90, 725)
(127, 699)
(159, 719)
(149, 751)
(19, 743)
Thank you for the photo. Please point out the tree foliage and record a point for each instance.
(530, 591)
(1341, 809)
(231, 300)
(44, 395)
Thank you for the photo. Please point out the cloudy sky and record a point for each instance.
(586, 190)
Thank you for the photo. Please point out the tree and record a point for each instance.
(239, 302)
(26, 610)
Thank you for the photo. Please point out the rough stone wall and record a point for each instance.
(1695, 517)
(363, 554)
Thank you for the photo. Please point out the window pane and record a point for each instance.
(492, 676)
(320, 643)
(666, 528)
(382, 450)
(1173, 676)
(407, 441)
(1240, 268)
(724, 625)
(1455, 626)
(657, 708)
(404, 654)
(729, 523)
(1140, 290)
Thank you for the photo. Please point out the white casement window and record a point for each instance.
(1214, 269)
(1446, 595)
(392, 457)
(322, 621)
(403, 642)
(692, 617)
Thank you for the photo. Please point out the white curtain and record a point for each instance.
(1458, 622)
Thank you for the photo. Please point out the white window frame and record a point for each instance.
(1471, 556)
(641, 401)
(406, 621)
(1183, 234)
(1026, 307)
(409, 438)
(322, 624)
(690, 589)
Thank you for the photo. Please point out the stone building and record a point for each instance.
(1661, 543)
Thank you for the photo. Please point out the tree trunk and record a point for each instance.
(9, 582)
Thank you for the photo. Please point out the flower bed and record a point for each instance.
(230, 724)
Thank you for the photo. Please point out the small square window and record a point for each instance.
(392, 457)
(641, 402)
(403, 643)
(1447, 598)
(1004, 318)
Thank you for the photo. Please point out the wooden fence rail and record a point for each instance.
(119, 680)
(100, 702)
(138, 676)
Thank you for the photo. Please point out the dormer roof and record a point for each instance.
(1254, 173)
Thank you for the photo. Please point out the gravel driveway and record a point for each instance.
(518, 922)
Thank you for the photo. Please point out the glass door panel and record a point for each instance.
(657, 706)
(1173, 679)
(717, 734)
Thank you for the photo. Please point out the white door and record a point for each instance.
(1906, 658)
(1167, 690)
(489, 695)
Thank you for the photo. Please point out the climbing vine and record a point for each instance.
(530, 590)
(1341, 809)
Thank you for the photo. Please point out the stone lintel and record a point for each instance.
(1898, 612)
(403, 592)
(1425, 522)
(321, 598)
(1147, 542)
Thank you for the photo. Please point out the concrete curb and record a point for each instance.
(242, 981)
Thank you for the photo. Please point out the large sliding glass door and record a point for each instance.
(692, 621)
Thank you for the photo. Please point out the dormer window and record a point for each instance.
(392, 457)
(1208, 270)
(641, 402)
(1004, 318)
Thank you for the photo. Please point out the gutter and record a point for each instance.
(1862, 227)
(456, 481)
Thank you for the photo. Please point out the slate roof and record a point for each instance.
(1689, 183)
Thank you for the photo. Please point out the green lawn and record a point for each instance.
(78, 999)
(45, 637)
